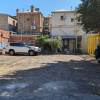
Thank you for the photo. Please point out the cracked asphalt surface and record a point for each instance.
(49, 77)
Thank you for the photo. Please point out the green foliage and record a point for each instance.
(55, 44)
(41, 39)
(50, 44)
(89, 12)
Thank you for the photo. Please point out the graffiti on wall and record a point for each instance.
(3, 45)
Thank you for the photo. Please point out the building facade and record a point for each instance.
(47, 25)
(8, 23)
(30, 22)
(64, 24)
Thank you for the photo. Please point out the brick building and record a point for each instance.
(47, 25)
(8, 23)
(30, 22)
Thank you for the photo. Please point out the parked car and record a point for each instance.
(21, 48)
(97, 53)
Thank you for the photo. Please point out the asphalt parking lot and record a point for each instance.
(49, 77)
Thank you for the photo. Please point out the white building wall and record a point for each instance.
(56, 19)
(66, 27)
(63, 31)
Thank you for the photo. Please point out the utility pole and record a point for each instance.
(21, 35)
(71, 7)
(23, 20)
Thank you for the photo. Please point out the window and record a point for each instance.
(72, 19)
(23, 45)
(31, 42)
(28, 19)
(15, 44)
(20, 20)
(63, 17)
(46, 28)
(79, 42)
(46, 23)
(13, 23)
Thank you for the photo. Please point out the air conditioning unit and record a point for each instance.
(33, 27)
(63, 17)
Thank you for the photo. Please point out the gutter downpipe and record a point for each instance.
(75, 29)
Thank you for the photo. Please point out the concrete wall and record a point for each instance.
(12, 27)
(4, 22)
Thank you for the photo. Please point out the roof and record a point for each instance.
(29, 11)
(65, 36)
(62, 10)
(8, 15)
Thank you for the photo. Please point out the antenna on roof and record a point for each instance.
(71, 7)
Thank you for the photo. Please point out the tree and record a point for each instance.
(89, 12)
(49, 43)
(41, 39)
(54, 44)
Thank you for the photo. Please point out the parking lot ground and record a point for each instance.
(49, 77)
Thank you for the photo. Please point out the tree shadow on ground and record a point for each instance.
(85, 74)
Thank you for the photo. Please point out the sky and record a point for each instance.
(46, 6)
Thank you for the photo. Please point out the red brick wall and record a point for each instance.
(5, 37)
(24, 39)
(27, 24)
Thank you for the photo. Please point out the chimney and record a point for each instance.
(37, 9)
(49, 15)
(17, 10)
(32, 8)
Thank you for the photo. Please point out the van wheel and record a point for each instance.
(31, 53)
(11, 52)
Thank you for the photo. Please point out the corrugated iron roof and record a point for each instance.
(65, 36)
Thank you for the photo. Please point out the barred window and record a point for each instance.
(79, 42)
(31, 42)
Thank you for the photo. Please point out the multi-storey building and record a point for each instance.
(64, 24)
(30, 22)
(8, 22)
(47, 25)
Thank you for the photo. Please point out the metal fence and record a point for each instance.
(92, 43)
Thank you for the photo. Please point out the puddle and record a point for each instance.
(16, 85)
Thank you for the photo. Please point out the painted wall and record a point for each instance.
(3, 38)
(12, 27)
(66, 27)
